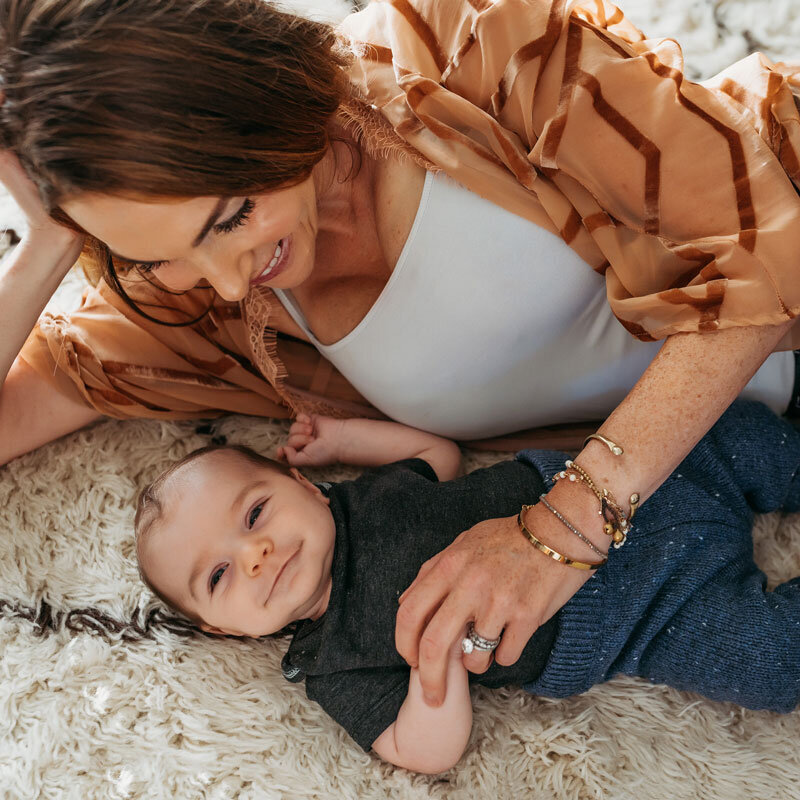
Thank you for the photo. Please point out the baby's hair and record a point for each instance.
(150, 507)
(143, 624)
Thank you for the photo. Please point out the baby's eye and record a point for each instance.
(254, 514)
(216, 576)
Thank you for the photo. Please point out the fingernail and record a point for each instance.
(430, 700)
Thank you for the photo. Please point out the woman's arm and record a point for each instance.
(31, 412)
(493, 576)
(33, 272)
(425, 739)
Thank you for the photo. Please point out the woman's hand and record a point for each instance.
(493, 576)
(314, 441)
(35, 268)
(64, 244)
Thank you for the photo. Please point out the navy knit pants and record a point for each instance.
(682, 602)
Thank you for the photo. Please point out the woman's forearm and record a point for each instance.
(688, 386)
(33, 272)
(29, 278)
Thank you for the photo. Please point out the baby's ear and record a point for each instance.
(313, 488)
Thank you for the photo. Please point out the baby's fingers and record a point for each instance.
(298, 440)
(292, 457)
(301, 426)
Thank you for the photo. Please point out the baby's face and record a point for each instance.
(246, 548)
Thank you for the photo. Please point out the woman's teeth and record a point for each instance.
(275, 256)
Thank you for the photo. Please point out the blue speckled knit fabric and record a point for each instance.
(683, 603)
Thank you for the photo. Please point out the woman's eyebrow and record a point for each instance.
(211, 220)
(208, 225)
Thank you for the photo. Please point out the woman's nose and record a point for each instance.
(229, 277)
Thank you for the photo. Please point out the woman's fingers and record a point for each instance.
(488, 626)
(22, 189)
(413, 613)
(445, 628)
(515, 636)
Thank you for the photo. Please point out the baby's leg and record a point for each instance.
(732, 640)
(750, 456)
(708, 624)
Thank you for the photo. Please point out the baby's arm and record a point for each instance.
(315, 441)
(428, 739)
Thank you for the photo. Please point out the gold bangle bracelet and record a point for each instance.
(548, 551)
(612, 446)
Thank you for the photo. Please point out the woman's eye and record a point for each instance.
(254, 515)
(216, 576)
(149, 266)
(238, 219)
(146, 266)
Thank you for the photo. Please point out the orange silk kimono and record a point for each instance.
(685, 196)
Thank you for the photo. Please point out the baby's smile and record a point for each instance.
(245, 547)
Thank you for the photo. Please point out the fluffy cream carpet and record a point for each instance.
(87, 716)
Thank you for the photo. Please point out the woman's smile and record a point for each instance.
(277, 264)
(260, 239)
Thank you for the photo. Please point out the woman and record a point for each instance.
(212, 152)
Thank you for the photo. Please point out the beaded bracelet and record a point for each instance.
(616, 523)
(570, 527)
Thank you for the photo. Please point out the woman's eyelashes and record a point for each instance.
(228, 226)
(147, 266)
(238, 219)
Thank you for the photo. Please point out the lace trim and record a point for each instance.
(375, 134)
(263, 341)
(304, 403)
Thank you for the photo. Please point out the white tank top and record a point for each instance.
(490, 324)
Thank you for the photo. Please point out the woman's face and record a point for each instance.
(234, 243)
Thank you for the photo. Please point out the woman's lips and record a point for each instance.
(271, 272)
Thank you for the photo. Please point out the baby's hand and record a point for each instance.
(314, 441)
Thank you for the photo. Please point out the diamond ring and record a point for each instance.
(474, 641)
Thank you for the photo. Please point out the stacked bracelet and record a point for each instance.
(570, 527)
(548, 551)
(616, 523)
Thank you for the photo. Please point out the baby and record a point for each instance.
(245, 546)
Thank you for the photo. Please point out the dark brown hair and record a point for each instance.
(150, 507)
(164, 98)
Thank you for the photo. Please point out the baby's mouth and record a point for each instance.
(280, 573)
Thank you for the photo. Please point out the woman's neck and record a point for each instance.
(350, 268)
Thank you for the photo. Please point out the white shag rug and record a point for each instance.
(83, 716)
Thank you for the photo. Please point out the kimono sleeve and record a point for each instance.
(686, 196)
(124, 366)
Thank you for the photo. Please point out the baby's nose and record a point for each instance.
(256, 556)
